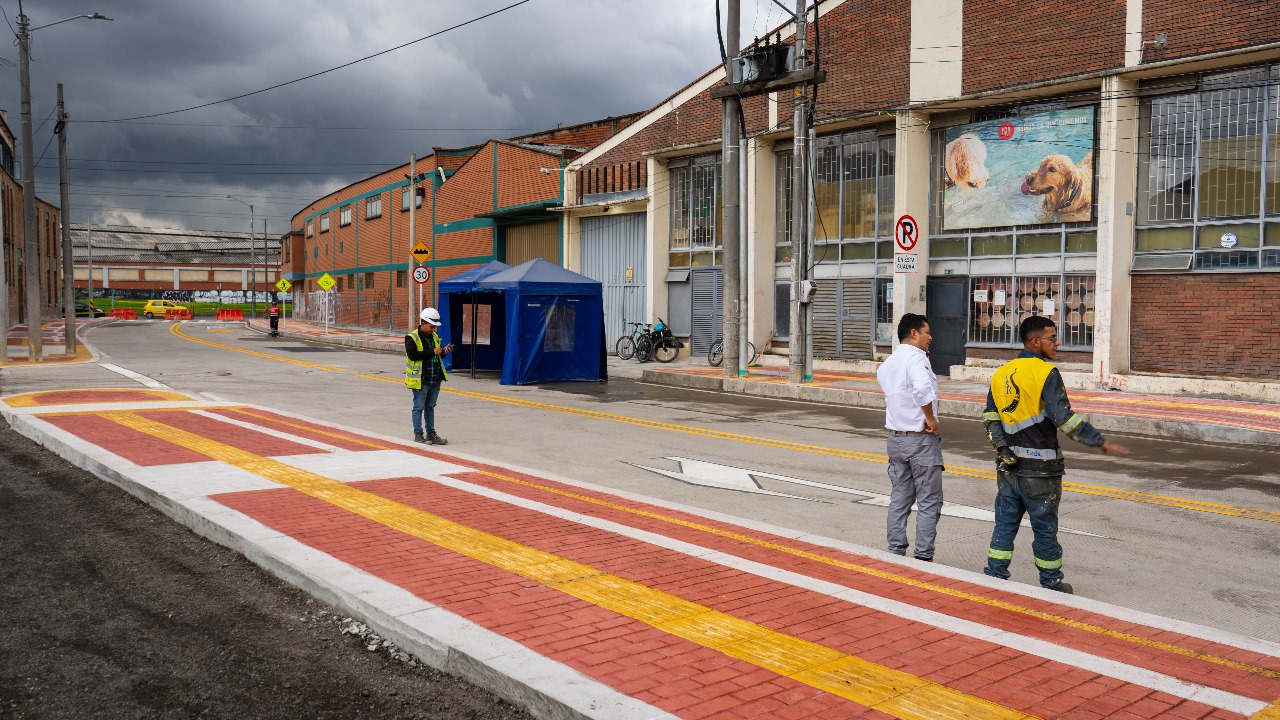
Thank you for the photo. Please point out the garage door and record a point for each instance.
(536, 240)
(613, 253)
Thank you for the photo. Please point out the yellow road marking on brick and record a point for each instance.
(1270, 712)
(33, 399)
(890, 691)
(894, 577)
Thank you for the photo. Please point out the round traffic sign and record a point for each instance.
(421, 274)
(906, 233)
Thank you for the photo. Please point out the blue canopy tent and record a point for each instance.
(464, 309)
(554, 323)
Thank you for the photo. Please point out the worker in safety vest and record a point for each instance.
(1026, 407)
(423, 374)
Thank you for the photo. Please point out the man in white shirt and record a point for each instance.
(915, 449)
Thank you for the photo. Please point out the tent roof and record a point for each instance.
(467, 281)
(538, 275)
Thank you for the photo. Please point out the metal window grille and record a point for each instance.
(680, 208)
(1230, 145)
(826, 189)
(782, 209)
(1079, 296)
(991, 317)
(861, 164)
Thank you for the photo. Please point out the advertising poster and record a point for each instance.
(1027, 170)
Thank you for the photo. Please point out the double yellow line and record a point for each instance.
(1081, 488)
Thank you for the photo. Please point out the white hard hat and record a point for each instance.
(431, 315)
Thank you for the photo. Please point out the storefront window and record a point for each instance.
(1201, 158)
(696, 209)
(1000, 304)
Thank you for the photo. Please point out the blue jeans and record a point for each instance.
(1038, 497)
(424, 405)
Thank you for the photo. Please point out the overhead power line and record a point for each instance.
(322, 72)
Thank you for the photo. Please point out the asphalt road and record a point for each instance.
(1203, 562)
(110, 610)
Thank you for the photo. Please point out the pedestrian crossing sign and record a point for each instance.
(326, 282)
(283, 285)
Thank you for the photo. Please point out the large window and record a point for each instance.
(853, 194)
(696, 212)
(404, 200)
(324, 223)
(1209, 174)
(999, 304)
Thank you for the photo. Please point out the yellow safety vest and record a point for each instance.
(1018, 390)
(413, 368)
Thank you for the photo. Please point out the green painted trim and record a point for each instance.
(348, 201)
(535, 205)
(460, 225)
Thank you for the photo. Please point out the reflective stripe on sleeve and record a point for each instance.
(995, 554)
(991, 417)
(1049, 564)
(1071, 423)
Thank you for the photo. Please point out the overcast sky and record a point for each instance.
(528, 68)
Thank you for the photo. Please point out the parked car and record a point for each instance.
(156, 308)
(88, 310)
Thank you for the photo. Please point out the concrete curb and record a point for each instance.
(436, 637)
(1123, 424)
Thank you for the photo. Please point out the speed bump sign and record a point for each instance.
(420, 252)
(283, 285)
(326, 282)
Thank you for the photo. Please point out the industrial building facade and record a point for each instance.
(13, 242)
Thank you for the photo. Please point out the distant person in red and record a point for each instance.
(274, 315)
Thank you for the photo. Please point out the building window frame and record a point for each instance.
(373, 208)
(344, 216)
(1211, 150)
(696, 210)
(310, 229)
(324, 223)
(404, 200)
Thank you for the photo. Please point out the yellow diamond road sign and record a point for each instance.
(420, 252)
(283, 285)
(326, 282)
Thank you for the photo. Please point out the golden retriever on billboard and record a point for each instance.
(1066, 188)
(967, 162)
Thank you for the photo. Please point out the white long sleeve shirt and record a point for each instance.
(909, 384)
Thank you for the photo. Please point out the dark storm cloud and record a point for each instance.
(545, 63)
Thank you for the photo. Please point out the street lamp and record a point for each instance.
(31, 252)
(253, 270)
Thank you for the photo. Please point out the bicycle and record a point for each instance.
(658, 344)
(626, 345)
(715, 355)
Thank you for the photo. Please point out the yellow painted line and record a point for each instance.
(885, 689)
(894, 577)
(33, 399)
(1084, 489)
(176, 329)
(1186, 405)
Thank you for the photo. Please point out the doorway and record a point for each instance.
(947, 309)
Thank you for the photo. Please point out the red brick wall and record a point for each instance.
(469, 191)
(1012, 42)
(520, 178)
(1201, 26)
(1221, 324)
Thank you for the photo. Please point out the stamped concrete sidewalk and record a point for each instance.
(578, 602)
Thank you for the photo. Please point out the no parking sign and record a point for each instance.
(906, 233)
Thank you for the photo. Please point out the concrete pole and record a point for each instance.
(31, 252)
(253, 268)
(64, 214)
(4, 292)
(412, 189)
(1117, 161)
(797, 367)
(731, 220)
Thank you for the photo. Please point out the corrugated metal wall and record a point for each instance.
(843, 314)
(536, 240)
(612, 245)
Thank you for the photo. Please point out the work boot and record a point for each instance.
(435, 439)
(419, 437)
(1063, 587)
(924, 559)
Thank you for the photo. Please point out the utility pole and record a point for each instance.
(4, 293)
(68, 269)
(798, 370)
(729, 178)
(412, 189)
(31, 250)
(266, 274)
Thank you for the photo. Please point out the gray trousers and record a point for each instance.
(915, 471)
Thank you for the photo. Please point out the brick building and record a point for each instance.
(1113, 165)
(14, 238)
(476, 204)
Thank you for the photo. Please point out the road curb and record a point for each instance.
(1122, 424)
(438, 638)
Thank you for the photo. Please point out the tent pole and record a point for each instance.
(473, 334)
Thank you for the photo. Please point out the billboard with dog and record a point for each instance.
(1027, 170)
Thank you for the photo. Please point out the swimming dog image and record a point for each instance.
(1066, 187)
(967, 162)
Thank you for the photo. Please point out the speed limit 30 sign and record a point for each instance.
(421, 274)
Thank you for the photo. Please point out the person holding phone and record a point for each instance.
(424, 373)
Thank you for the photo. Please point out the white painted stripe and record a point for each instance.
(135, 376)
(270, 431)
(1034, 646)
(116, 407)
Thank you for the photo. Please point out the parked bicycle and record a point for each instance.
(626, 345)
(658, 344)
(715, 355)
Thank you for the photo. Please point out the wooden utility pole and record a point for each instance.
(730, 229)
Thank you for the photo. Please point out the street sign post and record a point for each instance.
(326, 283)
(421, 274)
